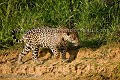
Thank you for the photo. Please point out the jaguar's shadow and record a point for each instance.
(72, 50)
(92, 44)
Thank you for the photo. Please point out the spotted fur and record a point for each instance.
(55, 39)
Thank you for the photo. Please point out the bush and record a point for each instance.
(95, 19)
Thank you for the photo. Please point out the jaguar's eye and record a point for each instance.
(68, 33)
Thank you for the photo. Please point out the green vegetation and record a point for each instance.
(98, 21)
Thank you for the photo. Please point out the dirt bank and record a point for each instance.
(89, 64)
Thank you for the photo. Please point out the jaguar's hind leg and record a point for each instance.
(35, 55)
(23, 53)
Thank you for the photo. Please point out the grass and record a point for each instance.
(97, 20)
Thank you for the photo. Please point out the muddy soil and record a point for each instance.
(86, 64)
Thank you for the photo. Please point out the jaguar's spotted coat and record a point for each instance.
(55, 39)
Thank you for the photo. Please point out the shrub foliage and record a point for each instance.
(96, 20)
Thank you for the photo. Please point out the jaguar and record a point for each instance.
(55, 39)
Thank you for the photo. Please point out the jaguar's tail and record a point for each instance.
(14, 34)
